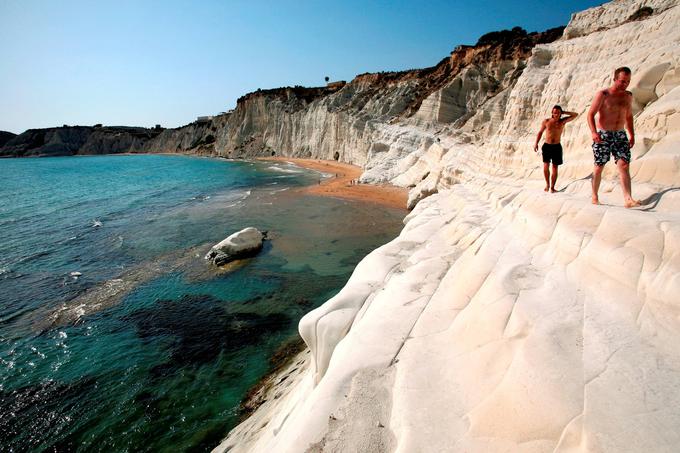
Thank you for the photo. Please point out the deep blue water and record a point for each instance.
(115, 334)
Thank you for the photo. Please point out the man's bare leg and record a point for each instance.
(553, 179)
(546, 175)
(597, 177)
(624, 176)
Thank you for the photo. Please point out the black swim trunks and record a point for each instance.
(552, 152)
(613, 143)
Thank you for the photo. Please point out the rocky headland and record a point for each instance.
(77, 140)
(503, 318)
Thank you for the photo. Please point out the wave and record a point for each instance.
(33, 256)
(226, 199)
(294, 170)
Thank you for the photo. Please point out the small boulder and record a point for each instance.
(242, 244)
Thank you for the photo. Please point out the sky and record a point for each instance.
(141, 63)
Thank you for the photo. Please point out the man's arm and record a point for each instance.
(571, 116)
(594, 108)
(540, 133)
(629, 120)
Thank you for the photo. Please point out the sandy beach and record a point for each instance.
(341, 184)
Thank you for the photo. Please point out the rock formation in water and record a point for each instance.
(504, 318)
(242, 244)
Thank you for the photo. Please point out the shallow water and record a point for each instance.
(115, 334)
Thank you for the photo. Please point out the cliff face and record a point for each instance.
(374, 121)
(504, 318)
(348, 124)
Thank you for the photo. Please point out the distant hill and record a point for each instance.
(5, 137)
(71, 140)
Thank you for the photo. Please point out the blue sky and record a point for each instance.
(148, 62)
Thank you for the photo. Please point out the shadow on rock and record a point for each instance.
(653, 200)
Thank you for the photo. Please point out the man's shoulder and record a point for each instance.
(601, 94)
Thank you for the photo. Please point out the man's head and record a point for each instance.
(556, 112)
(621, 78)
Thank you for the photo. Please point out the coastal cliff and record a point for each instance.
(350, 124)
(505, 318)
(347, 123)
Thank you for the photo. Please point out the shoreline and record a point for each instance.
(343, 182)
(340, 185)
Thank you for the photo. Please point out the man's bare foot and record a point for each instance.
(552, 190)
(546, 189)
(596, 200)
(632, 203)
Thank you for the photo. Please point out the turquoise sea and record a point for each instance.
(115, 333)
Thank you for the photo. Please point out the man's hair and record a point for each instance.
(624, 69)
(558, 108)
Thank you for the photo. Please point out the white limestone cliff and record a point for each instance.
(504, 318)
(374, 121)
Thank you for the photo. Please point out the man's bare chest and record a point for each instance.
(554, 126)
(613, 104)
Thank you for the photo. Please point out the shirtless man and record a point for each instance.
(614, 106)
(552, 149)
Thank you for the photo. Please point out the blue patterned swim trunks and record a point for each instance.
(613, 143)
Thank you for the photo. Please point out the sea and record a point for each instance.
(116, 334)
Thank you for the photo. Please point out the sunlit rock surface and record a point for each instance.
(504, 318)
(242, 244)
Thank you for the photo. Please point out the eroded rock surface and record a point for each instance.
(504, 318)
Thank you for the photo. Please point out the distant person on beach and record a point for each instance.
(552, 149)
(614, 105)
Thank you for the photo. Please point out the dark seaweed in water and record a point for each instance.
(201, 329)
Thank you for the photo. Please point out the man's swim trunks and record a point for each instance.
(614, 143)
(552, 152)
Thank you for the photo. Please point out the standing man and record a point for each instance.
(552, 149)
(614, 105)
